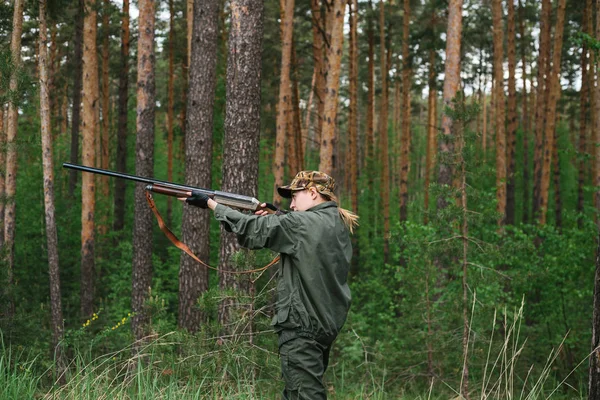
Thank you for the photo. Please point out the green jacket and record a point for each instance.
(313, 296)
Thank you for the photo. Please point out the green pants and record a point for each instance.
(303, 363)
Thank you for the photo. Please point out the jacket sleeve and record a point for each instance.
(275, 232)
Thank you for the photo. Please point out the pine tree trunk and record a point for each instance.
(88, 157)
(550, 119)
(104, 160)
(144, 166)
(541, 99)
(596, 137)
(193, 278)
(242, 131)
(370, 128)
(431, 128)
(583, 120)
(353, 109)
(406, 113)
(170, 106)
(2, 175)
(500, 115)
(319, 48)
(451, 85)
(285, 97)
(77, 87)
(11, 159)
(333, 65)
(296, 124)
(511, 134)
(51, 232)
(525, 118)
(121, 158)
(556, 176)
(383, 134)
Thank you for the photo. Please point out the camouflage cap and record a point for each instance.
(324, 184)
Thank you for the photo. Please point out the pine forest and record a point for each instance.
(465, 134)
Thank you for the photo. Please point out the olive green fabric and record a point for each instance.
(303, 363)
(313, 296)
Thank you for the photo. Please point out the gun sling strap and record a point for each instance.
(182, 246)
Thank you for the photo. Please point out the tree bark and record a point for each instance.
(583, 120)
(500, 115)
(170, 106)
(121, 159)
(88, 154)
(48, 173)
(550, 119)
(2, 173)
(285, 97)
(511, 134)
(297, 162)
(318, 30)
(556, 176)
(431, 127)
(540, 107)
(144, 166)
(369, 129)
(193, 278)
(353, 109)
(333, 65)
(451, 84)
(383, 134)
(104, 153)
(525, 118)
(77, 86)
(242, 131)
(406, 113)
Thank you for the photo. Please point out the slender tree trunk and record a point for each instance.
(383, 133)
(170, 105)
(242, 131)
(540, 107)
(353, 110)
(511, 134)
(121, 159)
(77, 86)
(285, 97)
(369, 130)
(500, 116)
(583, 120)
(193, 278)
(431, 128)
(556, 176)
(104, 160)
(319, 48)
(48, 171)
(88, 154)
(596, 131)
(406, 113)
(451, 85)
(144, 166)
(525, 117)
(333, 64)
(594, 364)
(2, 174)
(11, 156)
(550, 119)
(295, 123)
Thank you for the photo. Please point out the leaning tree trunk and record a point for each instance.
(242, 133)
(144, 165)
(11, 156)
(500, 130)
(511, 133)
(333, 64)
(48, 173)
(550, 119)
(285, 97)
(77, 85)
(88, 157)
(406, 138)
(121, 164)
(193, 278)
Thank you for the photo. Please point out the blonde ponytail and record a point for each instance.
(348, 217)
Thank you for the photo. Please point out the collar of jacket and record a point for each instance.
(321, 206)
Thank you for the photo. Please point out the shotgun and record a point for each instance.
(177, 190)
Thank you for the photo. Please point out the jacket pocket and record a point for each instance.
(285, 315)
